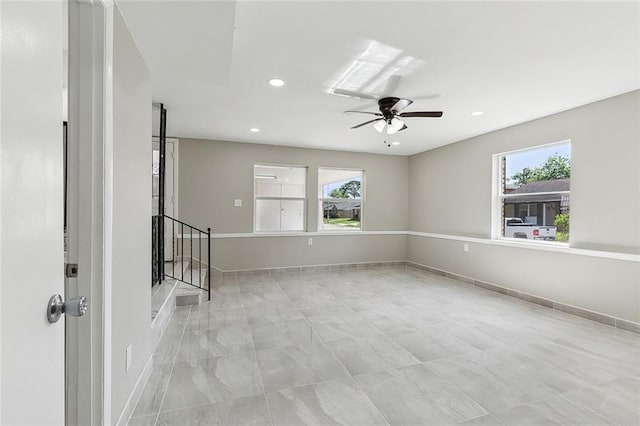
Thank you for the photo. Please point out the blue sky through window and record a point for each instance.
(535, 157)
(326, 189)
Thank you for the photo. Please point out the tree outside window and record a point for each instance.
(534, 192)
(340, 193)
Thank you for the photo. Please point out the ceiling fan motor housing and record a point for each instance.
(385, 105)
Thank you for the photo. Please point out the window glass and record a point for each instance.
(534, 193)
(340, 192)
(280, 198)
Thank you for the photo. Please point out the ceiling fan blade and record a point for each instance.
(365, 112)
(352, 94)
(403, 127)
(414, 98)
(435, 114)
(400, 105)
(367, 122)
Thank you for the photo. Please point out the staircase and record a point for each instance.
(190, 251)
(187, 247)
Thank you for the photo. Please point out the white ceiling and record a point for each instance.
(516, 61)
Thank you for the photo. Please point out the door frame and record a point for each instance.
(168, 249)
(90, 206)
(176, 158)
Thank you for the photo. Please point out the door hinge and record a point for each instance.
(71, 270)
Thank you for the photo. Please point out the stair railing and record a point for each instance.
(185, 260)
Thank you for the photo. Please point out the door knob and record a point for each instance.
(75, 307)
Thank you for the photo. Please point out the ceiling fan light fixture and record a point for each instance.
(379, 126)
(394, 125)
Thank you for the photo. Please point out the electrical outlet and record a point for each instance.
(237, 202)
(310, 242)
(129, 357)
(465, 248)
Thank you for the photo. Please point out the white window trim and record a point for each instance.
(498, 197)
(304, 199)
(322, 200)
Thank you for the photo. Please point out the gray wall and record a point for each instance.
(131, 293)
(231, 254)
(449, 193)
(606, 286)
(450, 187)
(213, 173)
(605, 214)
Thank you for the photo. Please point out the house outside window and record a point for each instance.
(340, 193)
(279, 197)
(533, 193)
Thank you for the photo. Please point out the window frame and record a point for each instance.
(321, 200)
(303, 199)
(498, 197)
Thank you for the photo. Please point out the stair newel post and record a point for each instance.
(162, 142)
(209, 262)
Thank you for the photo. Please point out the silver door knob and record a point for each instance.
(75, 307)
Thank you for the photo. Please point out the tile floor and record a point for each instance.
(385, 346)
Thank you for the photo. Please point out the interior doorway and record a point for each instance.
(170, 187)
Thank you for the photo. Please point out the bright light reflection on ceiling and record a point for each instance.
(369, 72)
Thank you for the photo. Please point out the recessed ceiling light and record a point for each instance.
(477, 113)
(395, 143)
(254, 130)
(276, 82)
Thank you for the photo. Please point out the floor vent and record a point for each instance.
(188, 299)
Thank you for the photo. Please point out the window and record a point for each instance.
(280, 197)
(340, 193)
(533, 193)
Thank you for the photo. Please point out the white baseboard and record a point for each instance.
(609, 320)
(136, 393)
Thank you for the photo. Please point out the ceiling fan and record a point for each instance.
(389, 117)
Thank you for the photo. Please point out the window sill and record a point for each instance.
(306, 234)
(548, 246)
(548, 243)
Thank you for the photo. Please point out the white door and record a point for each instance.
(31, 212)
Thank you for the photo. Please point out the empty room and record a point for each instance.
(320, 212)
